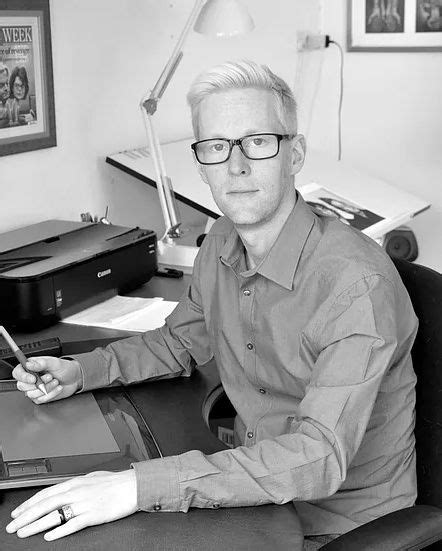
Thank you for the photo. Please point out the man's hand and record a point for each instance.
(62, 378)
(96, 498)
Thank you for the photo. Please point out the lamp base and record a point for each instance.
(180, 257)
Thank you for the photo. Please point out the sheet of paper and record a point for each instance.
(148, 318)
(70, 427)
(112, 310)
(129, 313)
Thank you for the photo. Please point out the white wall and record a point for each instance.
(107, 53)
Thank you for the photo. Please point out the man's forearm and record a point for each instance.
(151, 355)
(272, 471)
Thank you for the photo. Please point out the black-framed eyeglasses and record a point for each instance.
(254, 146)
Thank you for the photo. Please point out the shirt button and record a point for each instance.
(247, 292)
(157, 507)
(250, 434)
(216, 505)
(250, 346)
(262, 391)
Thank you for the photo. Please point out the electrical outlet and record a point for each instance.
(307, 41)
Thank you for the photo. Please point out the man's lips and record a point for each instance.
(241, 191)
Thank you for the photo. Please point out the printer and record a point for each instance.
(56, 268)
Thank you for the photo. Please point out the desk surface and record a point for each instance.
(265, 527)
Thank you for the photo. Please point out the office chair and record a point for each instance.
(420, 526)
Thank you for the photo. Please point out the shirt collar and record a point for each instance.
(232, 250)
(282, 260)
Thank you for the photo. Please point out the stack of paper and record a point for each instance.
(128, 313)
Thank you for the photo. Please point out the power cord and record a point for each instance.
(329, 41)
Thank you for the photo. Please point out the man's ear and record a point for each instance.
(298, 153)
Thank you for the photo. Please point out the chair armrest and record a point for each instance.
(410, 528)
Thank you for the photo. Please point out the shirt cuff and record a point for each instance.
(157, 485)
(93, 370)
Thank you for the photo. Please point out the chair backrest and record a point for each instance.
(425, 289)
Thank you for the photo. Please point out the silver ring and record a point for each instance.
(65, 513)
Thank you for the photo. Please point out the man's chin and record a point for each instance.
(244, 218)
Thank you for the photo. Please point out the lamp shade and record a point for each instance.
(224, 18)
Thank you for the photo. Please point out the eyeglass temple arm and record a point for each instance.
(148, 106)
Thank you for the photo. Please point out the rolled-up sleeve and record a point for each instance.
(354, 347)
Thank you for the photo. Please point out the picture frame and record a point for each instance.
(394, 25)
(27, 110)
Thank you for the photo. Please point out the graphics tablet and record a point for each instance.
(48, 443)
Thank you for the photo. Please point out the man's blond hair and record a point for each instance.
(243, 74)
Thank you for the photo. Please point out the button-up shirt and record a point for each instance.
(313, 350)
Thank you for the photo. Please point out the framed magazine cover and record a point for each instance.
(27, 114)
(394, 25)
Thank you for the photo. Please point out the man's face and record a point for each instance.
(249, 192)
(4, 86)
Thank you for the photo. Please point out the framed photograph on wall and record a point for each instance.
(27, 114)
(394, 25)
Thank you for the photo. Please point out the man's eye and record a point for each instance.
(217, 147)
(259, 141)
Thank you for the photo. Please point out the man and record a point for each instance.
(309, 324)
(8, 111)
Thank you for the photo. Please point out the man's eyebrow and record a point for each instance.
(245, 133)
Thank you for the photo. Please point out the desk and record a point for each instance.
(259, 528)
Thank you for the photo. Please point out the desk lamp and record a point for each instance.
(221, 18)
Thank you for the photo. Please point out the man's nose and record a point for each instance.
(238, 162)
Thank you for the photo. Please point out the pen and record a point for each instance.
(22, 358)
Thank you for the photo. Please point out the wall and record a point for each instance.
(107, 55)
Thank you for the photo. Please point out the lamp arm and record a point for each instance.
(148, 106)
(175, 58)
(167, 208)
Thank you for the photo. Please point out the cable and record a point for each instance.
(341, 92)
(307, 81)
